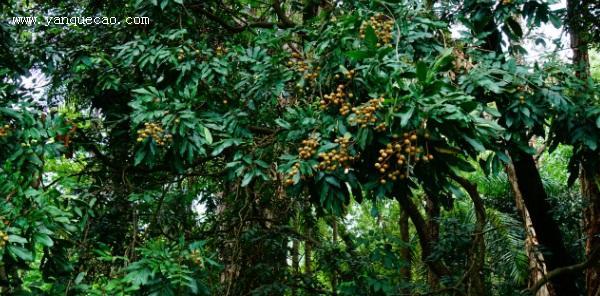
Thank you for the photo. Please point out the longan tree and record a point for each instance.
(228, 148)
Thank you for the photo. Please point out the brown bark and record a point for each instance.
(308, 253)
(310, 10)
(334, 282)
(529, 183)
(590, 191)
(475, 275)
(295, 262)
(425, 239)
(405, 252)
(589, 178)
(432, 208)
(590, 261)
(548, 233)
(537, 266)
(579, 45)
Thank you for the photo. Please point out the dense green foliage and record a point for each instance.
(288, 148)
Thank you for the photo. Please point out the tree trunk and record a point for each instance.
(475, 276)
(438, 269)
(590, 191)
(308, 253)
(295, 262)
(405, 252)
(528, 181)
(432, 208)
(334, 227)
(548, 233)
(579, 45)
(589, 177)
(537, 266)
(310, 10)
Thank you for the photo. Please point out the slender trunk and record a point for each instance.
(432, 208)
(579, 45)
(295, 262)
(308, 253)
(589, 175)
(475, 275)
(547, 231)
(531, 188)
(405, 252)
(438, 268)
(590, 191)
(334, 227)
(310, 10)
(537, 265)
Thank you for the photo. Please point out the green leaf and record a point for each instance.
(139, 156)
(555, 20)
(405, 116)
(358, 54)
(283, 124)
(590, 142)
(207, 135)
(79, 278)
(13, 238)
(515, 27)
(262, 164)
(422, 71)
(20, 252)
(443, 62)
(333, 181)
(374, 211)
(475, 143)
(455, 190)
(221, 147)
(247, 179)
(370, 38)
(598, 122)
(192, 285)
(43, 239)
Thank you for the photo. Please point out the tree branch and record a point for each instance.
(438, 268)
(474, 275)
(241, 28)
(281, 14)
(592, 260)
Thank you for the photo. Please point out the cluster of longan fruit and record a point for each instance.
(309, 148)
(196, 257)
(302, 66)
(4, 130)
(350, 74)
(523, 89)
(293, 171)
(380, 127)
(365, 114)
(461, 61)
(337, 158)
(3, 239)
(155, 131)
(394, 160)
(382, 25)
(220, 50)
(305, 152)
(337, 98)
(180, 55)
